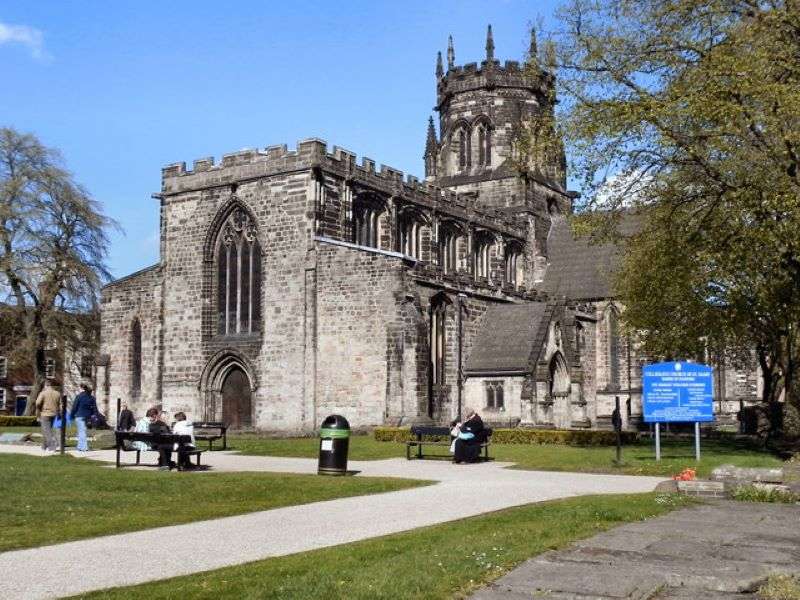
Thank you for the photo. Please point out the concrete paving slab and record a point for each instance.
(719, 550)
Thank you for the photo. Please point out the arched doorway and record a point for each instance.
(236, 401)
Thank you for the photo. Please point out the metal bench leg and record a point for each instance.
(210, 445)
(118, 457)
(138, 456)
(198, 459)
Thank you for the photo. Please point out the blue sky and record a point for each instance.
(123, 88)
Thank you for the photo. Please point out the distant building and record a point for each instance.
(296, 284)
(67, 366)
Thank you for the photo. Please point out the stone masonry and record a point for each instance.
(293, 284)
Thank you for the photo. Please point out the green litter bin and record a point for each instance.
(334, 442)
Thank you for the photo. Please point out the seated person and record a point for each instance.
(126, 421)
(142, 426)
(164, 450)
(468, 443)
(183, 427)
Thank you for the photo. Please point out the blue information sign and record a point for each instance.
(677, 391)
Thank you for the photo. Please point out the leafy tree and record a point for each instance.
(687, 112)
(53, 246)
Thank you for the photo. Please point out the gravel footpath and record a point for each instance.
(55, 571)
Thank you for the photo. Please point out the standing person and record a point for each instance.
(47, 408)
(83, 408)
(157, 425)
(126, 420)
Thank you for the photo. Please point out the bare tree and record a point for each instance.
(53, 247)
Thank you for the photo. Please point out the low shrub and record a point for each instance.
(760, 493)
(780, 587)
(562, 437)
(9, 421)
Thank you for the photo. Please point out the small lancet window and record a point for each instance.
(464, 148)
(514, 266)
(484, 146)
(136, 357)
(238, 276)
(481, 256)
(612, 348)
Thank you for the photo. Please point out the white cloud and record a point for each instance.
(27, 36)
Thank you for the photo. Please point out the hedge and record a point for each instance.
(8, 421)
(562, 437)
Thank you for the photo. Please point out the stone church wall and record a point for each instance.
(362, 357)
(137, 296)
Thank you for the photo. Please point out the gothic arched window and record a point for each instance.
(580, 340)
(463, 135)
(559, 383)
(238, 276)
(438, 341)
(449, 239)
(484, 145)
(612, 347)
(136, 358)
(481, 253)
(411, 225)
(514, 265)
(367, 222)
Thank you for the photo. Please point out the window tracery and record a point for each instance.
(238, 276)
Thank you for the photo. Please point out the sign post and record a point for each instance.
(678, 392)
(616, 420)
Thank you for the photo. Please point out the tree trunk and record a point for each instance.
(38, 355)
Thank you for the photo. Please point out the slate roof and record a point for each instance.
(579, 269)
(507, 337)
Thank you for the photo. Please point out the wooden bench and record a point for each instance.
(153, 440)
(203, 431)
(438, 437)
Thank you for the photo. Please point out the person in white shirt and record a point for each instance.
(183, 427)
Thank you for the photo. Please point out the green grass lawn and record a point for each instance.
(444, 561)
(56, 499)
(638, 459)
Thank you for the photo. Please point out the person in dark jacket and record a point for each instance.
(469, 440)
(164, 450)
(126, 420)
(83, 408)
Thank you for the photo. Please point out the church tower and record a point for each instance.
(482, 109)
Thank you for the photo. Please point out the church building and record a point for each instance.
(293, 284)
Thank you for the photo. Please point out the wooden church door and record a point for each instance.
(236, 402)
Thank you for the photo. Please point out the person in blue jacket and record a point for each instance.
(83, 408)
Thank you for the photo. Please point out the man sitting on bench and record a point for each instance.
(164, 450)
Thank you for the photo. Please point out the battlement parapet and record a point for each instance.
(313, 154)
(491, 74)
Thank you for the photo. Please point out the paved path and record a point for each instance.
(713, 551)
(52, 571)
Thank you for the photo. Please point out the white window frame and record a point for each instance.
(50, 367)
(3, 367)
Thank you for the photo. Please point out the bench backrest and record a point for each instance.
(151, 438)
(210, 425)
(425, 431)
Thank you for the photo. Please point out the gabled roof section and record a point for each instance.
(510, 338)
(579, 269)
